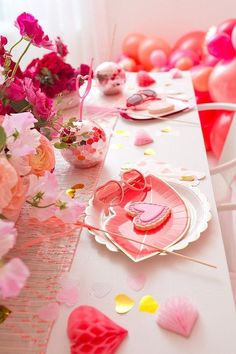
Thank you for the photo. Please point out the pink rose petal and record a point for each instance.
(49, 312)
(137, 281)
(68, 296)
(142, 138)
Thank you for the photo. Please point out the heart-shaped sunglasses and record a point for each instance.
(141, 97)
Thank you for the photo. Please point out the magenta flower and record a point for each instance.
(3, 42)
(14, 90)
(61, 47)
(7, 236)
(32, 31)
(22, 139)
(42, 106)
(13, 276)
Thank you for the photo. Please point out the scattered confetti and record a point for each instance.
(149, 152)
(187, 178)
(166, 130)
(71, 192)
(101, 289)
(4, 313)
(118, 146)
(121, 132)
(49, 312)
(68, 296)
(123, 303)
(148, 304)
(126, 166)
(137, 281)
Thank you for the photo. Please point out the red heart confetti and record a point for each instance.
(144, 79)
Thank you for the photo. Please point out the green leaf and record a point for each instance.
(19, 106)
(3, 138)
(60, 145)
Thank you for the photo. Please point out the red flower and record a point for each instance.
(61, 47)
(53, 74)
(42, 106)
(3, 42)
(14, 90)
(32, 31)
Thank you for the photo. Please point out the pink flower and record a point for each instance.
(44, 159)
(7, 236)
(68, 209)
(21, 138)
(42, 105)
(15, 90)
(43, 191)
(32, 31)
(61, 47)
(8, 180)
(13, 276)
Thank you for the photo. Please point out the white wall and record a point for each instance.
(166, 18)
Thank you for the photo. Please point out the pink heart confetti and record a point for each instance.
(101, 289)
(142, 138)
(137, 281)
(68, 296)
(49, 312)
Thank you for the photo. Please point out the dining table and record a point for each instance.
(101, 272)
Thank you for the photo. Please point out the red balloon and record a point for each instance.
(193, 41)
(222, 82)
(131, 44)
(219, 131)
(227, 26)
(147, 46)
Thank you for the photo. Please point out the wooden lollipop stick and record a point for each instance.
(91, 227)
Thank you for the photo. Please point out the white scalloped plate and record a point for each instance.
(198, 208)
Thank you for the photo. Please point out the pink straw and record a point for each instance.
(87, 90)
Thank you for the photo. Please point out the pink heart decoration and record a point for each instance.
(142, 138)
(91, 332)
(68, 296)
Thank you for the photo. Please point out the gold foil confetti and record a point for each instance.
(148, 304)
(166, 130)
(4, 313)
(122, 132)
(78, 186)
(149, 152)
(187, 178)
(71, 192)
(123, 303)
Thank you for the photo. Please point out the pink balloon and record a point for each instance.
(227, 26)
(183, 53)
(220, 46)
(210, 60)
(158, 58)
(233, 37)
(222, 82)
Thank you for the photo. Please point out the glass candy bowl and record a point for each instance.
(83, 143)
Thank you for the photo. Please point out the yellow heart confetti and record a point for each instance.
(122, 132)
(4, 313)
(148, 304)
(149, 152)
(118, 146)
(123, 303)
(71, 192)
(187, 178)
(125, 167)
(166, 130)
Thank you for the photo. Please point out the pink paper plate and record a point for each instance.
(163, 236)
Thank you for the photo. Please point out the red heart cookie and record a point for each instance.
(91, 332)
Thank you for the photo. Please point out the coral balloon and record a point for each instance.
(192, 40)
(233, 37)
(220, 46)
(131, 44)
(219, 131)
(183, 53)
(158, 58)
(227, 26)
(184, 63)
(147, 46)
(222, 82)
(200, 78)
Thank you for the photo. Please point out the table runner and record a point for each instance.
(24, 332)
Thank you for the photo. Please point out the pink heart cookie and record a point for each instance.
(147, 216)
